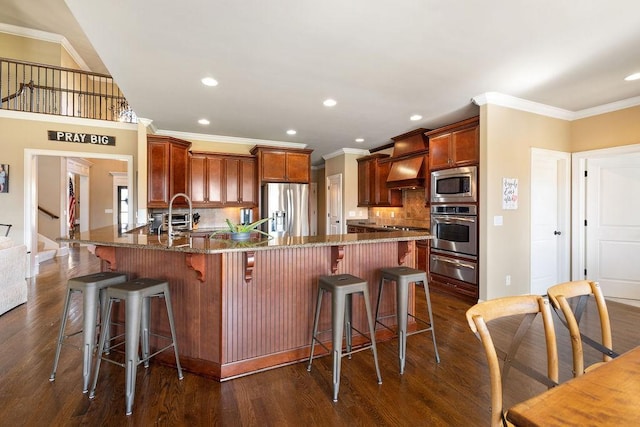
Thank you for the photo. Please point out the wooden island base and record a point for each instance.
(241, 312)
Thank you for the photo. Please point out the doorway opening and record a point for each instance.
(123, 206)
(31, 193)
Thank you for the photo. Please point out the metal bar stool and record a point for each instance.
(403, 276)
(93, 288)
(342, 287)
(137, 296)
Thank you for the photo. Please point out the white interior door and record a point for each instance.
(613, 224)
(550, 219)
(334, 204)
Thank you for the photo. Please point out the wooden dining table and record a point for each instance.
(608, 395)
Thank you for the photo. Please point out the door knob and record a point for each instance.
(557, 233)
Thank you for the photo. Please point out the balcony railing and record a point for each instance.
(38, 88)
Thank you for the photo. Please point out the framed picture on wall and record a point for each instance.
(4, 178)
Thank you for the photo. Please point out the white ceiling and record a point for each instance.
(382, 60)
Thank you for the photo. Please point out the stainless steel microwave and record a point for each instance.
(456, 185)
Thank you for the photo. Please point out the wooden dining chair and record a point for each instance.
(562, 298)
(528, 306)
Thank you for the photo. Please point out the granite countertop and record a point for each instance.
(198, 241)
(386, 227)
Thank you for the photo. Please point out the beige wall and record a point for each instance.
(346, 165)
(606, 130)
(30, 133)
(506, 139)
(28, 49)
(49, 195)
(101, 191)
(219, 147)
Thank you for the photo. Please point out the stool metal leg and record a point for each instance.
(347, 323)
(315, 326)
(90, 305)
(133, 313)
(402, 301)
(425, 285)
(337, 323)
(63, 325)
(105, 328)
(145, 330)
(101, 345)
(372, 332)
(172, 326)
(380, 286)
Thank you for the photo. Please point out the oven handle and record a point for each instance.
(448, 219)
(454, 262)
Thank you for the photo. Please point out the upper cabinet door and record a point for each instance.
(274, 166)
(167, 170)
(157, 174)
(465, 146)
(283, 165)
(439, 152)
(454, 145)
(197, 185)
(219, 180)
(215, 180)
(298, 167)
(248, 184)
(372, 183)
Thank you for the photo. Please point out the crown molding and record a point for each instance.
(496, 98)
(47, 37)
(229, 139)
(343, 151)
(607, 108)
(148, 123)
(509, 101)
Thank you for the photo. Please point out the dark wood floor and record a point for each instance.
(454, 392)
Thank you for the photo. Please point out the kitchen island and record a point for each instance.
(243, 307)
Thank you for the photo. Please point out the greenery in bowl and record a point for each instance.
(242, 228)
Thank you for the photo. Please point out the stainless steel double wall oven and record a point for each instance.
(454, 225)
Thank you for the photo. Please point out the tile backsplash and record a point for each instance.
(215, 218)
(413, 213)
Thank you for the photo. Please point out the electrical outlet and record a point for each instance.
(393, 214)
(507, 280)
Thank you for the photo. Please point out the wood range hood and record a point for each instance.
(409, 161)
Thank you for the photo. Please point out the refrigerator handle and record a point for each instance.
(289, 210)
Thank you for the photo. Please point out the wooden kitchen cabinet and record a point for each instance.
(372, 183)
(422, 255)
(277, 164)
(241, 187)
(167, 170)
(219, 180)
(206, 180)
(454, 145)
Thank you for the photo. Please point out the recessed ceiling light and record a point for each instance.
(415, 117)
(329, 102)
(203, 121)
(359, 139)
(634, 76)
(209, 81)
(291, 132)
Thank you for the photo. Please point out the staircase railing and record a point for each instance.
(38, 88)
(50, 214)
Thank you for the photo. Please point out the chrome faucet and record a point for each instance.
(170, 222)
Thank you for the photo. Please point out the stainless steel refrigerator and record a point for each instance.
(287, 206)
